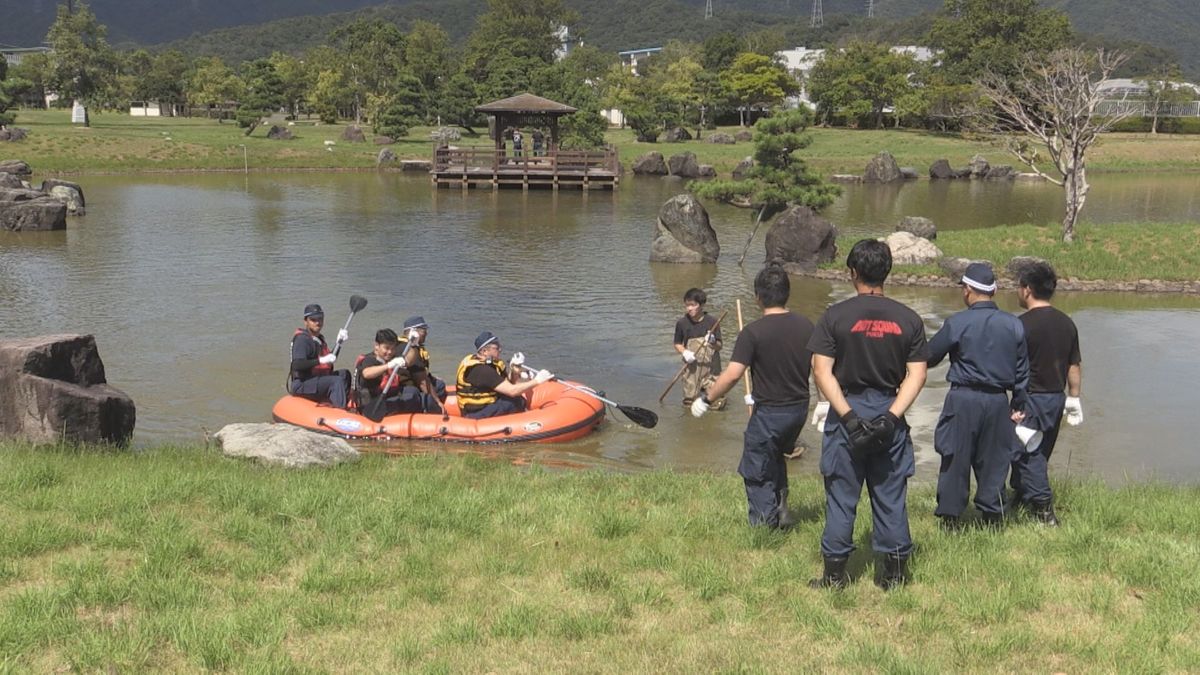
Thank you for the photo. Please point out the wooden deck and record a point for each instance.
(488, 167)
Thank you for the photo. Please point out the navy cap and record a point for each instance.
(980, 277)
(313, 310)
(415, 322)
(485, 338)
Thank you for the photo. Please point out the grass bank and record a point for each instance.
(120, 143)
(177, 559)
(1109, 252)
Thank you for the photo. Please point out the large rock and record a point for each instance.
(744, 136)
(941, 170)
(739, 171)
(354, 134)
(27, 210)
(979, 166)
(70, 196)
(284, 445)
(683, 234)
(1002, 172)
(801, 238)
(386, 156)
(383, 140)
(1020, 263)
(53, 388)
(15, 167)
(51, 183)
(708, 171)
(677, 135)
(13, 134)
(909, 249)
(909, 173)
(921, 227)
(721, 138)
(956, 267)
(684, 165)
(882, 169)
(650, 164)
(11, 181)
(278, 133)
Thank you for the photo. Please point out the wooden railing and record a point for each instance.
(553, 161)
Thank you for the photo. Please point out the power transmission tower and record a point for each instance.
(818, 17)
(708, 10)
(870, 9)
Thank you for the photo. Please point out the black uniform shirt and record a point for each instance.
(1053, 344)
(871, 338)
(485, 377)
(686, 329)
(375, 387)
(774, 348)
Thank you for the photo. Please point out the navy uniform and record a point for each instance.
(975, 432)
(311, 374)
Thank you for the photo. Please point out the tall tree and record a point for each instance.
(860, 81)
(213, 84)
(373, 51)
(1165, 88)
(81, 62)
(754, 79)
(779, 177)
(719, 51)
(524, 28)
(1050, 104)
(264, 93)
(427, 56)
(294, 75)
(995, 35)
(8, 91)
(33, 72)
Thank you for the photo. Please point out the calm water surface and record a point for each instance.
(193, 284)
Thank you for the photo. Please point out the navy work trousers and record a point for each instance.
(503, 405)
(323, 388)
(408, 399)
(974, 434)
(771, 432)
(1031, 470)
(885, 472)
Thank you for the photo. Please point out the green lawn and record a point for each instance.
(176, 559)
(1110, 252)
(119, 143)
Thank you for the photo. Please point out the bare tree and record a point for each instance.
(1051, 106)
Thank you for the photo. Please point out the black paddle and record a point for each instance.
(378, 410)
(357, 302)
(639, 416)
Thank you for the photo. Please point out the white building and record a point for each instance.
(631, 57)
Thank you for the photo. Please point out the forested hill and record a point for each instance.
(226, 27)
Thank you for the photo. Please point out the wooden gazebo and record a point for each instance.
(456, 166)
(525, 110)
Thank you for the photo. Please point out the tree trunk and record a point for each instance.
(1076, 186)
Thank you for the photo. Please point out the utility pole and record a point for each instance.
(708, 10)
(818, 17)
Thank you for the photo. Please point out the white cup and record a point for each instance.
(1030, 438)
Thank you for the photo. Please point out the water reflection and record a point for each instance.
(192, 285)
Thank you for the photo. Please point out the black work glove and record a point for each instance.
(884, 430)
(859, 430)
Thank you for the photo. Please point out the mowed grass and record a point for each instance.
(1110, 252)
(178, 559)
(117, 142)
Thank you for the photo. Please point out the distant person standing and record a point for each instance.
(869, 361)
(1054, 366)
(774, 348)
(539, 140)
(517, 141)
(975, 432)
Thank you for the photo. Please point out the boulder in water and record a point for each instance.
(801, 239)
(683, 234)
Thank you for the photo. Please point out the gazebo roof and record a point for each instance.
(526, 104)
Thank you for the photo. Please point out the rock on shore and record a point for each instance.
(284, 445)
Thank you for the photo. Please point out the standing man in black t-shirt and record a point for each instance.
(1054, 365)
(869, 355)
(773, 347)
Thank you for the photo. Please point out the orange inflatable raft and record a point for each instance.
(556, 413)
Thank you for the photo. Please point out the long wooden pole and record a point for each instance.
(745, 375)
(684, 367)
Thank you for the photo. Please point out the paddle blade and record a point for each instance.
(640, 416)
(357, 302)
(376, 411)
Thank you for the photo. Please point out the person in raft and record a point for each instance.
(487, 387)
(375, 370)
(699, 350)
(311, 374)
(416, 330)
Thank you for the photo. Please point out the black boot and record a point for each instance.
(835, 573)
(993, 521)
(950, 524)
(1043, 512)
(787, 520)
(895, 571)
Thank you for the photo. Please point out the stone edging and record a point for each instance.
(899, 278)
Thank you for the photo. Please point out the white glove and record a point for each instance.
(395, 363)
(414, 336)
(749, 399)
(543, 375)
(689, 356)
(820, 413)
(327, 359)
(1074, 410)
(518, 360)
(699, 407)
(343, 335)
